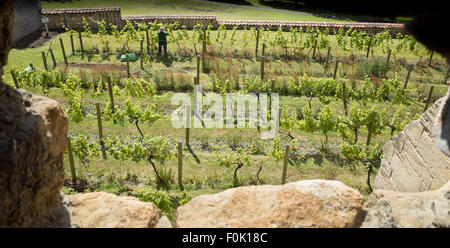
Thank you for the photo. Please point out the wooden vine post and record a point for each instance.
(44, 60)
(72, 164)
(198, 66)
(53, 58)
(100, 130)
(262, 68)
(328, 57)
(387, 61)
(188, 124)
(14, 77)
(431, 58)
(314, 50)
(148, 41)
(128, 65)
(180, 164)
(369, 135)
(369, 45)
(142, 54)
(344, 97)
(63, 50)
(407, 76)
(81, 44)
(263, 53)
(430, 93)
(71, 44)
(285, 163)
(257, 43)
(111, 95)
(203, 55)
(335, 69)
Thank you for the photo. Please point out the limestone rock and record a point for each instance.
(308, 203)
(386, 208)
(412, 162)
(105, 210)
(33, 133)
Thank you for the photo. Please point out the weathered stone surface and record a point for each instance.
(308, 203)
(107, 210)
(412, 210)
(412, 162)
(7, 17)
(32, 142)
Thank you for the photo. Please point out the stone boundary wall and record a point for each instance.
(369, 27)
(412, 162)
(73, 18)
(187, 20)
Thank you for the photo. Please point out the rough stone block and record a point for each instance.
(399, 140)
(413, 131)
(388, 150)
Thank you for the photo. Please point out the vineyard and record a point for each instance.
(343, 94)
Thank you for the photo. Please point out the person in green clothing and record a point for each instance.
(162, 41)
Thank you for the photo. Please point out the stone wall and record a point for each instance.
(73, 18)
(184, 20)
(412, 162)
(29, 13)
(369, 27)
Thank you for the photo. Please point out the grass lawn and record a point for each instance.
(149, 7)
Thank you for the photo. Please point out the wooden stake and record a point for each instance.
(14, 77)
(387, 61)
(198, 66)
(328, 57)
(180, 164)
(100, 130)
(111, 95)
(344, 97)
(272, 85)
(63, 50)
(188, 123)
(285, 162)
(388, 57)
(128, 66)
(148, 41)
(203, 55)
(407, 76)
(53, 58)
(314, 50)
(369, 135)
(196, 81)
(72, 164)
(431, 58)
(44, 60)
(257, 43)
(262, 67)
(280, 116)
(430, 93)
(335, 69)
(71, 44)
(263, 53)
(81, 45)
(368, 46)
(142, 54)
